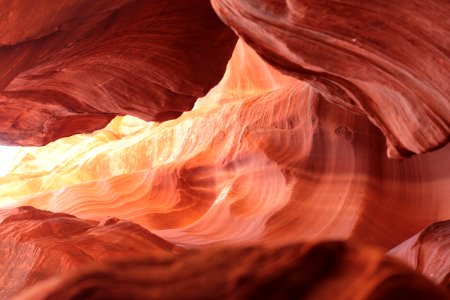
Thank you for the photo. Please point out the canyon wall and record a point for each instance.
(77, 64)
(262, 158)
(306, 161)
(389, 60)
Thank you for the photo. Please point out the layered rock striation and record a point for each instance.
(428, 252)
(78, 64)
(238, 195)
(388, 60)
(263, 158)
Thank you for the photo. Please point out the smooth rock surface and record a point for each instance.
(332, 270)
(389, 60)
(428, 252)
(73, 65)
(36, 245)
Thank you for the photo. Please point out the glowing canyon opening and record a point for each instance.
(224, 149)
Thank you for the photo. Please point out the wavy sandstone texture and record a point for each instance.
(36, 244)
(389, 60)
(332, 270)
(261, 159)
(428, 252)
(238, 197)
(77, 64)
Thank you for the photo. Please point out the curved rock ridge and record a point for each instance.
(428, 252)
(332, 270)
(106, 153)
(389, 60)
(36, 245)
(238, 195)
(77, 64)
(262, 159)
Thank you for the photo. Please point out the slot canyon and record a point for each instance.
(224, 149)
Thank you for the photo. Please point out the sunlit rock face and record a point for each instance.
(262, 158)
(239, 197)
(75, 64)
(386, 59)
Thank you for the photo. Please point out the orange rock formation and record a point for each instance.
(262, 158)
(428, 252)
(239, 196)
(386, 59)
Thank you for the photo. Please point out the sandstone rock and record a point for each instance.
(263, 158)
(386, 59)
(428, 252)
(71, 66)
(239, 197)
(332, 270)
(36, 245)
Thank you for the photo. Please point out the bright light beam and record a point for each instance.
(7, 155)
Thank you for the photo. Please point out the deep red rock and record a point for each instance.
(72, 65)
(428, 252)
(36, 245)
(332, 270)
(389, 60)
(264, 163)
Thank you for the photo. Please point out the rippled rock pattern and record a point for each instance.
(428, 252)
(238, 195)
(387, 59)
(77, 64)
(282, 165)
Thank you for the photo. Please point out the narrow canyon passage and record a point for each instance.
(165, 155)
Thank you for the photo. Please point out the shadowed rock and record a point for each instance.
(36, 245)
(428, 252)
(331, 270)
(73, 65)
